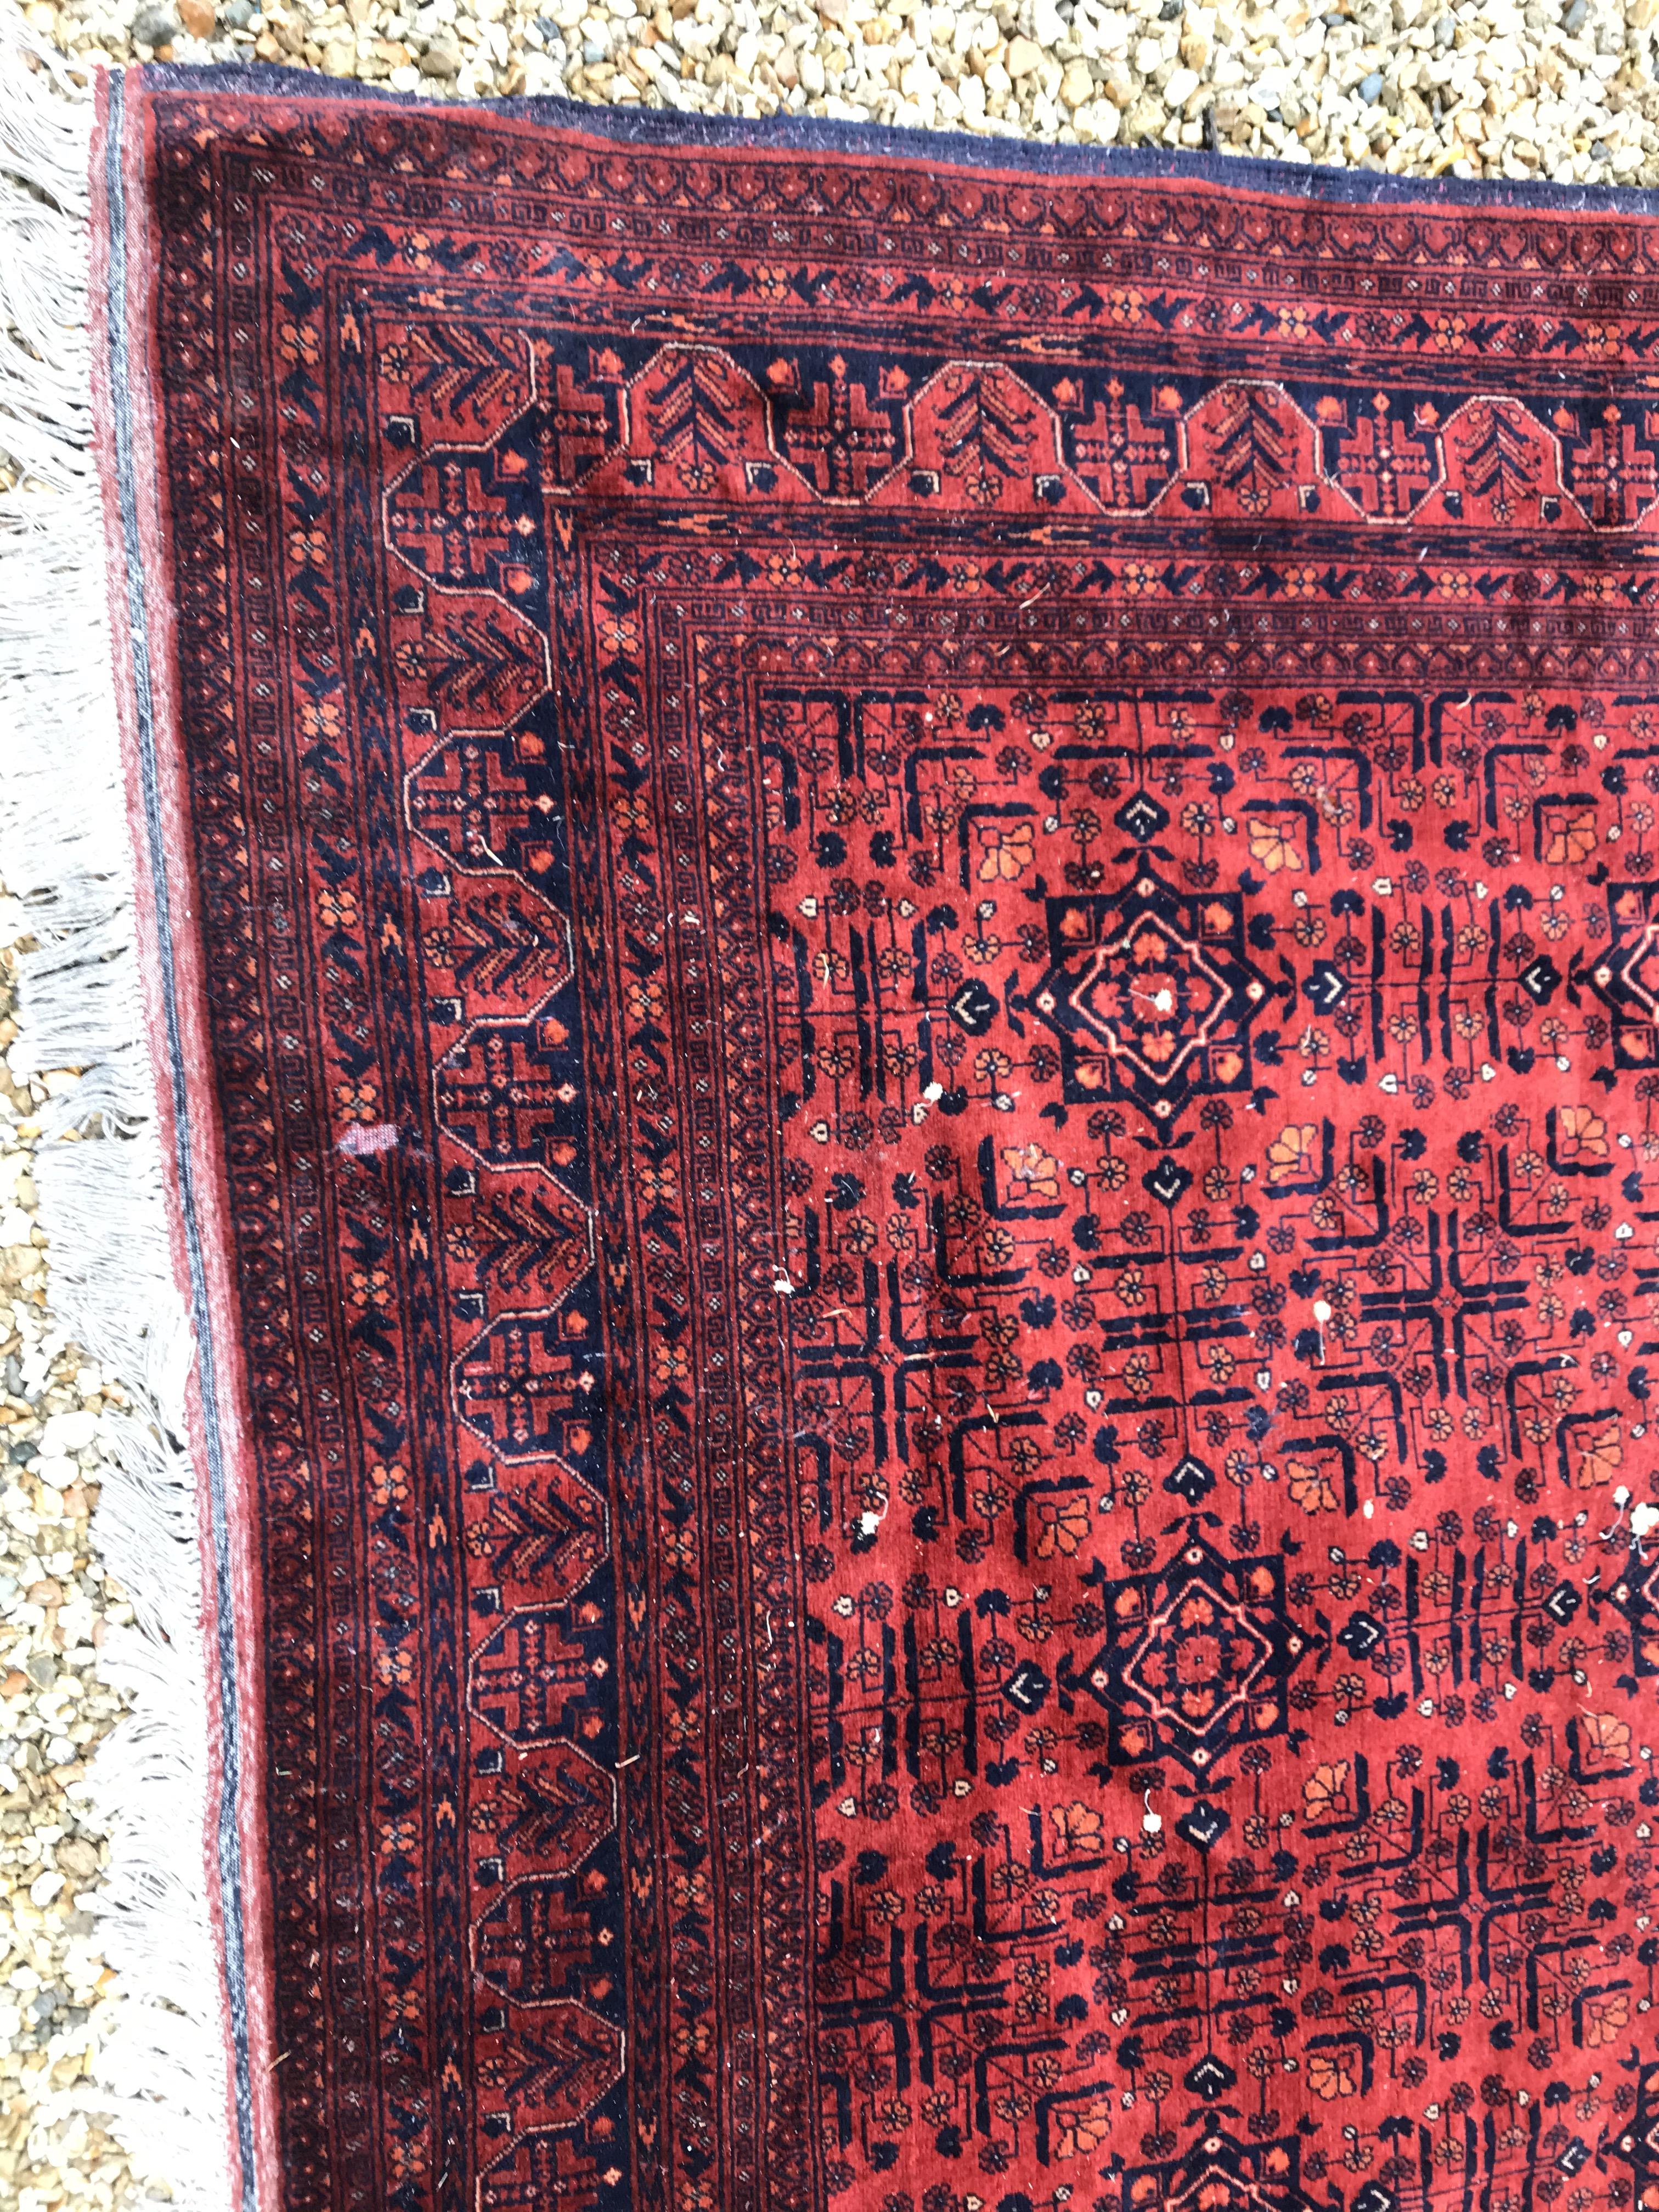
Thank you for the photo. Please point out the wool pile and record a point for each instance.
(896, 938)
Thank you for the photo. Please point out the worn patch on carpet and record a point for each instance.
(904, 943)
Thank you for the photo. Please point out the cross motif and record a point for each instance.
(545, 2168)
(531, 1947)
(523, 1678)
(841, 445)
(519, 1386)
(489, 801)
(1383, 466)
(1124, 460)
(1449, 1315)
(508, 1090)
(1617, 479)
(449, 526)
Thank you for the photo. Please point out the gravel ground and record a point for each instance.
(56, 1602)
(1481, 88)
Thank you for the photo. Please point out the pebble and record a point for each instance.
(154, 26)
(1512, 88)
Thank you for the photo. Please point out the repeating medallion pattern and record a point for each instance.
(927, 904)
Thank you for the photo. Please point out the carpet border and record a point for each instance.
(138, 539)
(993, 155)
(159, 2079)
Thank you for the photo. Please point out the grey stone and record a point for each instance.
(1371, 88)
(155, 27)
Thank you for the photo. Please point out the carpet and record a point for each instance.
(899, 908)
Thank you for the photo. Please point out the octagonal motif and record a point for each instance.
(1197, 1658)
(1151, 994)
(1626, 976)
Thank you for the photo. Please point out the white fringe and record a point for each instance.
(64, 851)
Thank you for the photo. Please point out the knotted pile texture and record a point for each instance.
(906, 960)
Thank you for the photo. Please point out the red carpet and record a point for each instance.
(905, 939)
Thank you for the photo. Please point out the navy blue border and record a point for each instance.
(223, 1813)
(666, 126)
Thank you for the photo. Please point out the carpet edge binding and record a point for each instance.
(161, 2078)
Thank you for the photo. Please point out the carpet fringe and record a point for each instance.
(64, 851)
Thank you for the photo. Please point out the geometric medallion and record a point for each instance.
(1221, 2175)
(1626, 976)
(1151, 994)
(1197, 1658)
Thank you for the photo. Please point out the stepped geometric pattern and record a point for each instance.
(946, 1519)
